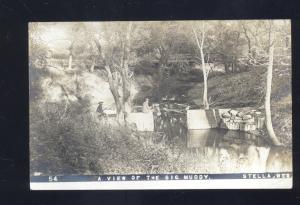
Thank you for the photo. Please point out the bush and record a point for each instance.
(80, 144)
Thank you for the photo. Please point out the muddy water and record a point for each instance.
(234, 151)
(221, 150)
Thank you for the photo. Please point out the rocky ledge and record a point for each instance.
(242, 120)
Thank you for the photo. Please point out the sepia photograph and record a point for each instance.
(196, 104)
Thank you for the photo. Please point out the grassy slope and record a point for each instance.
(247, 89)
(75, 146)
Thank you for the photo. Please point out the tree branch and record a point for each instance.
(197, 39)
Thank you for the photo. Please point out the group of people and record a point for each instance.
(146, 108)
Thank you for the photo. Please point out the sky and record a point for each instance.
(55, 35)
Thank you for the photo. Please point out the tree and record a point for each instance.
(159, 44)
(37, 46)
(115, 61)
(228, 45)
(254, 33)
(271, 42)
(262, 38)
(77, 41)
(265, 36)
(200, 42)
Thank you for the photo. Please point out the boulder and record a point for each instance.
(258, 113)
(226, 119)
(247, 117)
(229, 125)
(226, 115)
(251, 120)
(238, 119)
(240, 114)
(233, 112)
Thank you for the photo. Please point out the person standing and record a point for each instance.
(146, 107)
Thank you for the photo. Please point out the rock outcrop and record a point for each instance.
(242, 120)
(232, 119)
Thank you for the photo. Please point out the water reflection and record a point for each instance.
(204, 138)
(220, 150)
(234, 151)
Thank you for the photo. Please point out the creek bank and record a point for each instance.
(243, 119)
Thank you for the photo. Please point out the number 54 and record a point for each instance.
(53, 179)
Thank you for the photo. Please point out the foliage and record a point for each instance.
(75, 141)
(238, 90)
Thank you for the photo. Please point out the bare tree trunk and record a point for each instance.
(268, 122)
(93, 65)
(117, 98)
(70, 61)
(126, 81)
(233, 68)
(205, 73)
(123, 102)
(120, 115)
(247, 37)
(160, 70)
(163, 61)
(113, 85)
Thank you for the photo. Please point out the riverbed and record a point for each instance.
(219, 150)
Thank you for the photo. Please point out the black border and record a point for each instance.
(159, 177)
(14, 152)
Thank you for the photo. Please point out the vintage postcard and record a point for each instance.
(160, 105)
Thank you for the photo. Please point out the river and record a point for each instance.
(220, 150)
